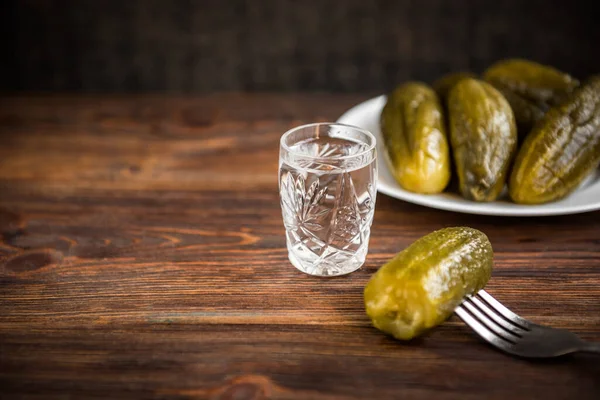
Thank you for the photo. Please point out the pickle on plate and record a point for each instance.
(414, 134)
(561, 150)
(530, 88)
(483, 136)
(443, 85)
(423, 284)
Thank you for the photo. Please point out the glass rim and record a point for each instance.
(318, 124)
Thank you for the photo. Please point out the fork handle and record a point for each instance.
(590, 347)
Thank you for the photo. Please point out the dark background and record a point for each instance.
(281, 45)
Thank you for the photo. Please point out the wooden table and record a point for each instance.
(142, 255)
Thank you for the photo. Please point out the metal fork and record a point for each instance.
(507, 331)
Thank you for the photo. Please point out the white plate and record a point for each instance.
(366, 116)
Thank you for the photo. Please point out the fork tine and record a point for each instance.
(482, 330)
(501, 321)
(492, 326)
(505, 312)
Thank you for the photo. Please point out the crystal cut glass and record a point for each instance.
(328, 186)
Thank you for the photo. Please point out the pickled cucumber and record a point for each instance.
(483, 136)
(443, 85)
(423, 284)
(417, 150)
(561, 150)
(530, 88)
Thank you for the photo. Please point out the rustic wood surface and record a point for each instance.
(142, 255)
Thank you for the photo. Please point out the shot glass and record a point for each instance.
(327, 186)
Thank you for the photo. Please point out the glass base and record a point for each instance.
(345, 264)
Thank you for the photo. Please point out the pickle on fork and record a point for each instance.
(423, 284)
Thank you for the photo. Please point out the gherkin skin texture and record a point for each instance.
(483, 135)
(423, 284)
(443, 85)
(413, 130)
(530, 88)
(561, 150)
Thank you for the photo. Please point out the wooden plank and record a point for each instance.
(142, 255)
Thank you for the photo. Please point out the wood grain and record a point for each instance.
(142, 255)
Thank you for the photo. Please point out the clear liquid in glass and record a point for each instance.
(328, 204)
